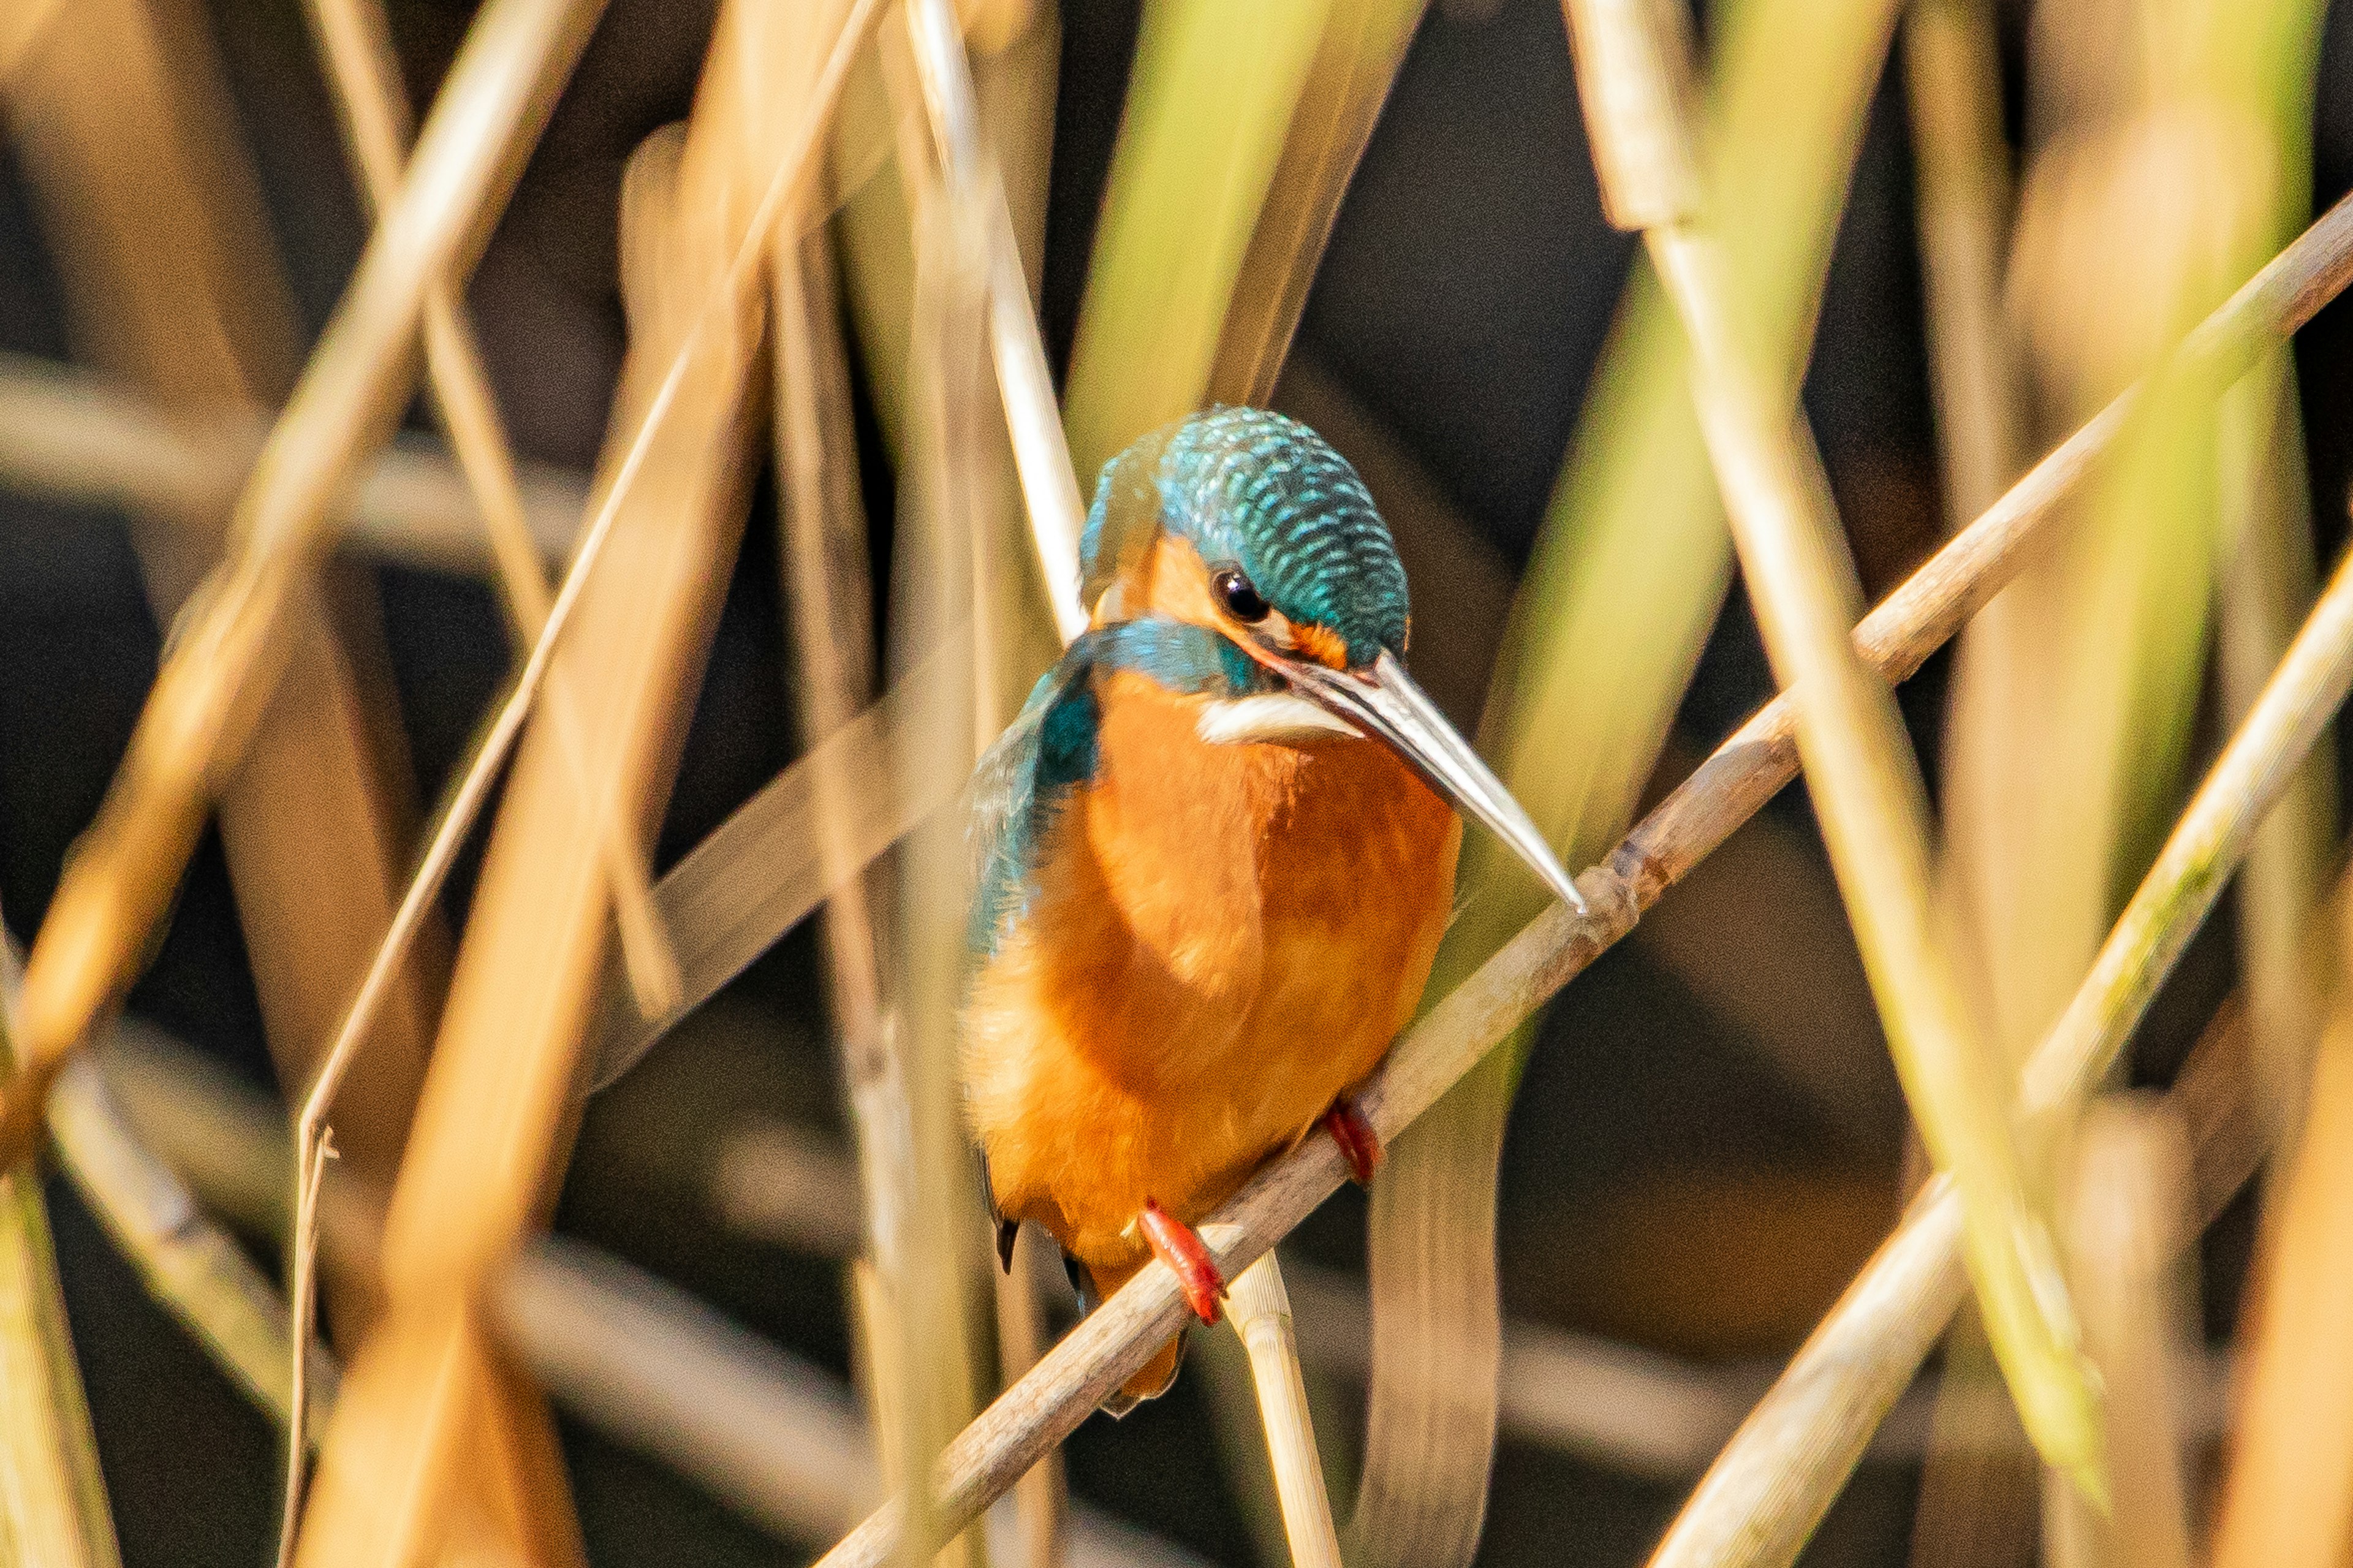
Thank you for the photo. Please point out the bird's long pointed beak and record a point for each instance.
(1387, 705)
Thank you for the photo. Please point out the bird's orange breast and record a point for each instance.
(1224, 938)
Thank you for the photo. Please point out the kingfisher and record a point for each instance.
(1217, 853)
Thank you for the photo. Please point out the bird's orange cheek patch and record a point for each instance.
(1322, 644)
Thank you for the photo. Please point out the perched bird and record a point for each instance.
(1217, 855)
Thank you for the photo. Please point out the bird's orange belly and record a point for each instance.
(1224, 938)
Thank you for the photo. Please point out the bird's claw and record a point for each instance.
(1352, 1131)
(1174, 1244)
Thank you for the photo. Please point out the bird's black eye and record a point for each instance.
(1240, 598)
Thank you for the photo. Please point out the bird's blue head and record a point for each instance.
(1286, 539)
(1248, 524)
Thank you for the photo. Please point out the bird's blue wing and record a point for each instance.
(1021, 780)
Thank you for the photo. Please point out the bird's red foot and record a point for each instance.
(1359, 1145)
(1174, 1244)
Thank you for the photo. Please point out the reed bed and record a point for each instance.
(894, 278)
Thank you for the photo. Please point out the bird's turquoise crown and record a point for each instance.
(1263, 492)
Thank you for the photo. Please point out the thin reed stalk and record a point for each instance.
(1976, 1490)
(215, 683)
(1859, 763)
(1732, 786)
(2287, 1495)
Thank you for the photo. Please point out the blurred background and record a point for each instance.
(1708, 1140)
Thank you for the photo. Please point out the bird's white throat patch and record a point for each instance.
(1269, 717)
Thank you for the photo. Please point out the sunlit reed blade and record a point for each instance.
(125, 120)
(375, 117)
(1625, 580)
(511, 1040)
(1356, 59)
(75, 439)
(1214, 89)
(230, 647)
(1779, 1499)
(53, 1507)
(2127, 1210)
(1860, 766)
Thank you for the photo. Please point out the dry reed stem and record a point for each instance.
(1261, 1319)
(509, 1041)
(1858, 760)
(1033, 418)
(766, 869)
(231, 647)
(2127, 1218)
(164, 245)
(375, 117)
(74, 438)
(1742, 774)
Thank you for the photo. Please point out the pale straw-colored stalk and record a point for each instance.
(2288, 1493)
(1632, 59)
(1977, 1489)
(1731, 786)
(1033, 419)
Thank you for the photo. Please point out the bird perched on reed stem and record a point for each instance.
(1217, 854)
